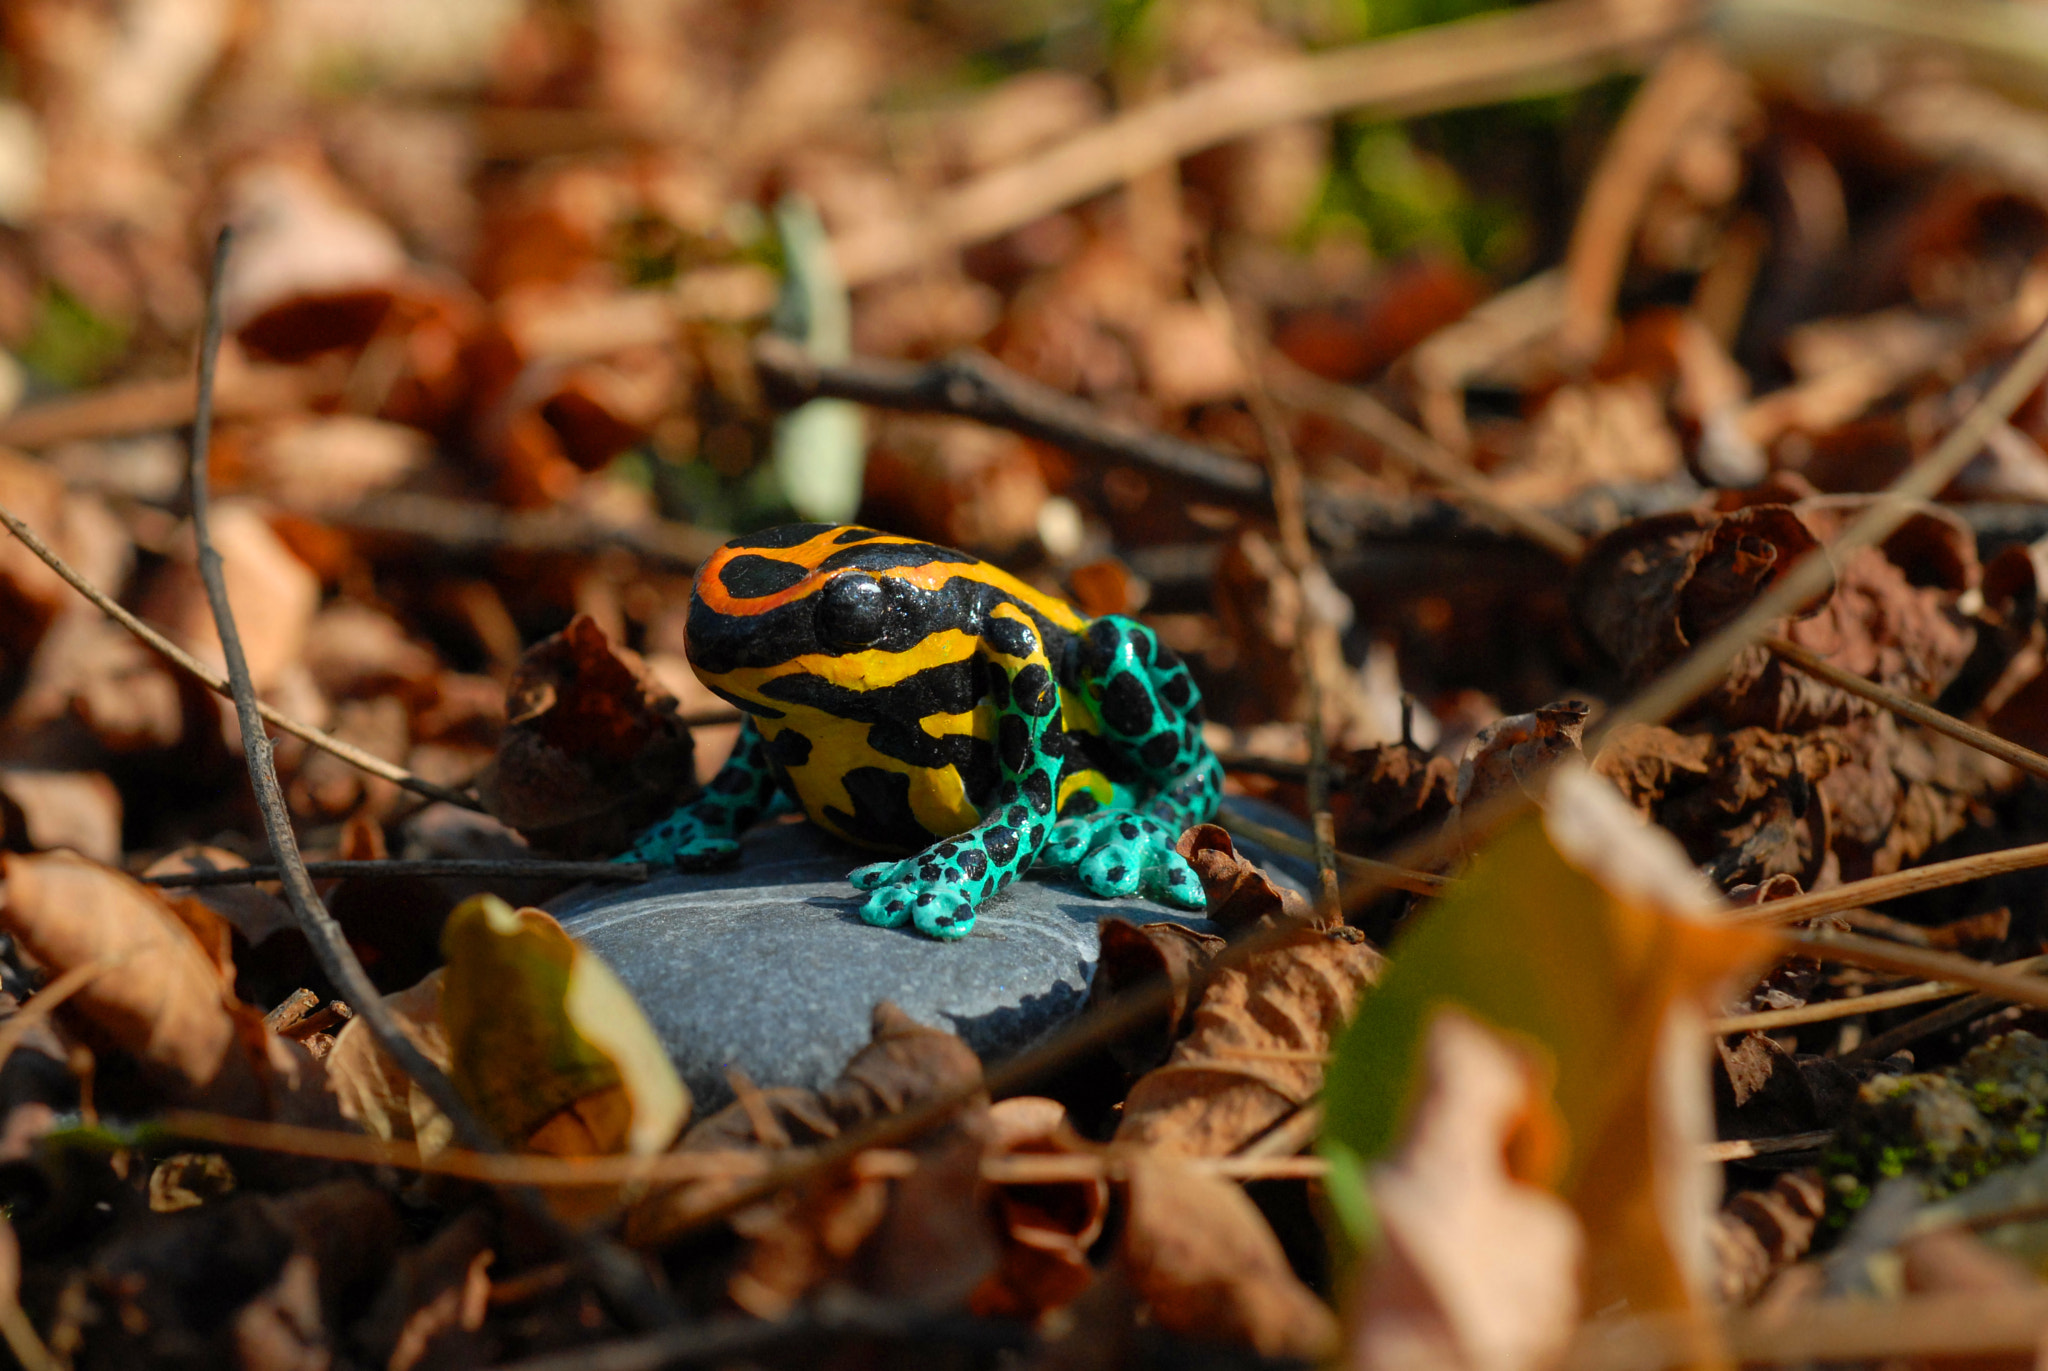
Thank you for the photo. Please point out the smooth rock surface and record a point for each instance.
(766, 967)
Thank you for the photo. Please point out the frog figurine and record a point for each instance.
(915, 699)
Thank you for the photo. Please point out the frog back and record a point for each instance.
(889, 743)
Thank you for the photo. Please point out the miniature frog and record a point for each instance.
(915, 699)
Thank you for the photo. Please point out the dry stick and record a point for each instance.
(1313, 639)
(2026, 759)
(218, 684)
(1979, 1323)
(1540, 49)
(1389, 876)
(1879, 1046)
(150, 406)
(537, 870)
(1877, 889)
(1854, 1005)
(1418, 451)
(45, 1001)
(616, 1274)
(1684, 86)
(2004, 982)
(980, 388)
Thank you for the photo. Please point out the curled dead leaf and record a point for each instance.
(1047, 1228)
(594, 751)
(1131, 954)
(165, 992)
(1203, 1259)
(1254, 1052)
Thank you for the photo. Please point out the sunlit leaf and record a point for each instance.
(544, 1041)
(1588, 938)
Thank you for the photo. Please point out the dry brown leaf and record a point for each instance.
(594, 751)
(1253, 1055)
(1132, 954)
(1201, 1256)
(1047, 1228)
(1477, 1265)
(1239, 894)
(371, 1090)
(802, 1237)
(166, 998)
(78, 810)
(274, 595)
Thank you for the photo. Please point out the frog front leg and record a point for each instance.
(705, 832)
(941, 889)
(1146, 701)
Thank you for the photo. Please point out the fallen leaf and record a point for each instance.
(1132, 954)
(1047, 1227)
(1474, 1262)
(1203, 1259)
(546, 1044)
(78, 810)
(593, 751)
(273, 593)
(164, 996)
(370, 1088)
(1590, 938)
(1253, 1054)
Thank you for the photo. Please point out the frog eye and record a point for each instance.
(853, 612)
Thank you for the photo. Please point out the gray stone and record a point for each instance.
(766, 967)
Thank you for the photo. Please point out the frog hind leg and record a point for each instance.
(941, 889)
(1146, 701)
(705, 832)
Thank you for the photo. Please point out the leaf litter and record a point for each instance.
(1607, 366)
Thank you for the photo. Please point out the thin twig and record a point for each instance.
(618, 1276)
(391, 869)
(1543, 48)
(218, 684)
(1390, 876)
(1855, 1005)
(1740, 1149)
(2026, 759)
(1684, 86)
(2005, 982)
(151, 406)
(1315, 641)
(1975, 1324)
(1417, 451)
(1879, 1046)
(1894, 885)
(980, 388)
(45, 1001)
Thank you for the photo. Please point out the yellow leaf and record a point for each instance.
(1588, 938)
(546, 1044)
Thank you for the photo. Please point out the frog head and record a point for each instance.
(816, 598)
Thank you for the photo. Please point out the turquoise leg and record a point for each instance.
(1146, 700)
(941, 889)
(705, 832)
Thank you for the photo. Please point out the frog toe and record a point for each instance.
(1173, 882)
(943, 913)
(1112, 871)
(1068, 843)
(873, 876)
(888, 907)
